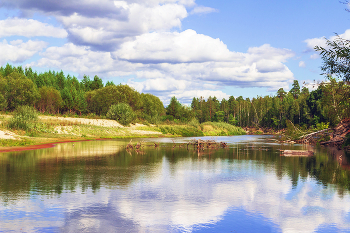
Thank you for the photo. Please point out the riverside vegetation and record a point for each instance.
(296, 112)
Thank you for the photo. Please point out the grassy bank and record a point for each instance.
(48, 129)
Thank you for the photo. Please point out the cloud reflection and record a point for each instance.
(184, 196)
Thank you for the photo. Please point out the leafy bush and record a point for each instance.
(24, 118)
(122, 113)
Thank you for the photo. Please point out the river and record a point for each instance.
(99, 186)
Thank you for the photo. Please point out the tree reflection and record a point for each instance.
(92, 165)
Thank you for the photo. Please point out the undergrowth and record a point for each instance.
(10, 142)
(221, 129)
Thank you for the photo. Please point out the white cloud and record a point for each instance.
(135, 40)
(166, 65)
(203, 10)
(82, 60)
(109, 33)
(29, 28)
(302, 64)
(321, 41)
(19, 51)
(174, 47)
(311, 43)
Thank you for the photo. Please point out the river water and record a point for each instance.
(99, 186)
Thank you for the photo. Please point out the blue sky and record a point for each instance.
(182, 48)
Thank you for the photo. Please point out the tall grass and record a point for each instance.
(193, 128)
(220, 129)
(24, 118)
(181, 130)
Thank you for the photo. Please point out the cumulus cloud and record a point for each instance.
(91, 8)
(104, 25)
(135, 39)
(29, 28)
(175, 47)
(302, 64)
(19, 51)
(82, 60)
(106, 33)
(174, 68)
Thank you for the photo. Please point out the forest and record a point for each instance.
(56, 93)
(53, 92)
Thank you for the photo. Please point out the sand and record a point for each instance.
(5, 134)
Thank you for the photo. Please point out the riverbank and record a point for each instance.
(50, 130)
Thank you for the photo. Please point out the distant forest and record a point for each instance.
(55, 93)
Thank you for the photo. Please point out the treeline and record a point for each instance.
(53, 92)
(328, 104)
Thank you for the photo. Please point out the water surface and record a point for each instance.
(98, 186)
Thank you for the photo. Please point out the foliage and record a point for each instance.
(122, 113)
(335, 100)
(329, 103)
(24, 118)
(219, 116)
(10, 142)
(99, 101)
(50, 100)
(336, 57)
(231, 120)
(293, 131)
(295, 91)
(221, 129)
(18, 90)
(181, 130)
(347, 141)
(3, 102)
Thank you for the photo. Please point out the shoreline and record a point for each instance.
(53, 144)
(37, 146)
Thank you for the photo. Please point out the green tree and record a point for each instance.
(295, 91)
(122, 113)
(110, 83)
(100, 100)
(96, 83)
(20, 91)
(152, 105)
(173, 108)
(336, 57)
(3, 103)
(50, 100)
(220, 116)
(281, 93)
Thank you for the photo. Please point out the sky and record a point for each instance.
(182, 48)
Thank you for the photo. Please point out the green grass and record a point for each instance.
(181, 130)
(220, 129)
(10, 143)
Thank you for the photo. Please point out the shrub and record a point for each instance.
(24, 118)
(122, 113)
(181, 130)
(3, 102)
(221, 129)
